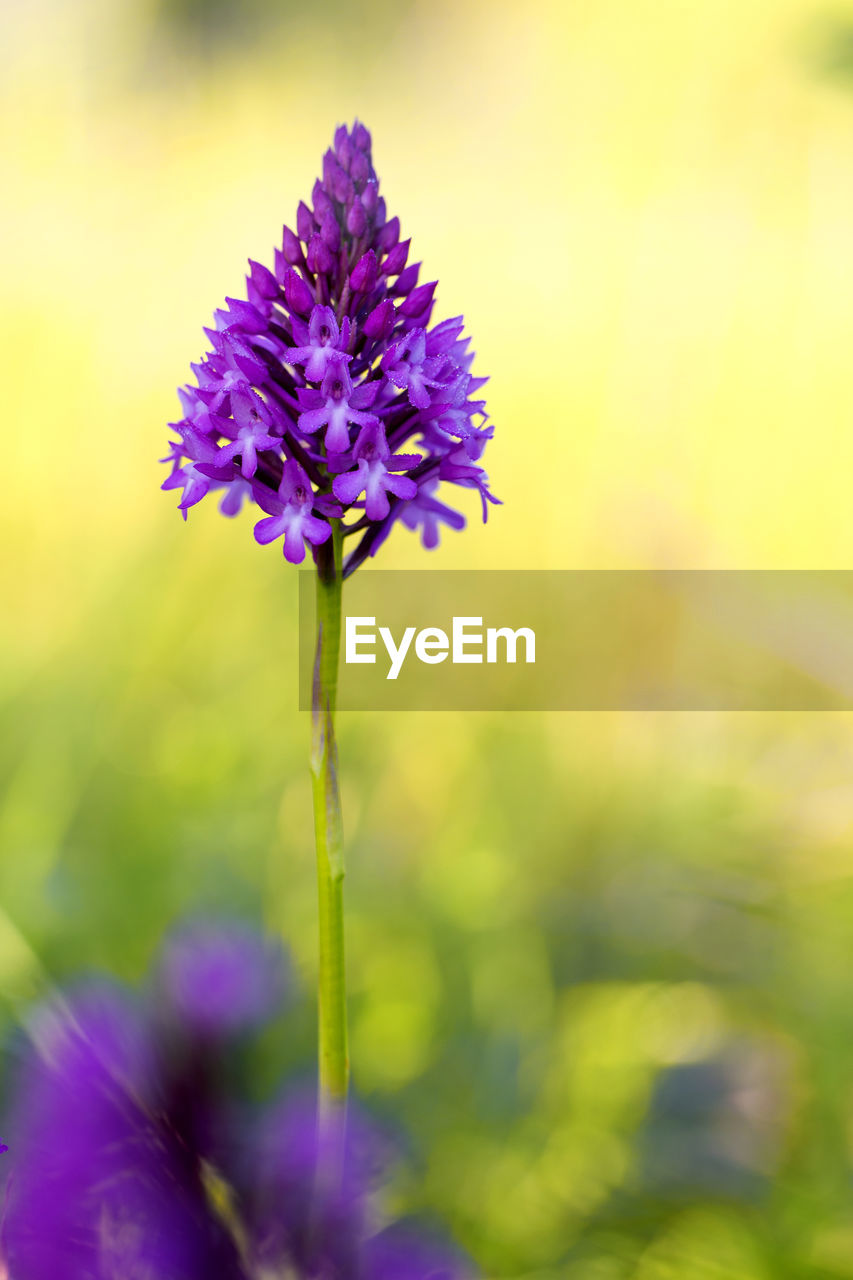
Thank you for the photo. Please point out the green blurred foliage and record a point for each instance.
(600, 963)
(828, 46)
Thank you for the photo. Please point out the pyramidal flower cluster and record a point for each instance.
(327, 393)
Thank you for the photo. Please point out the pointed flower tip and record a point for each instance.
(365, 273)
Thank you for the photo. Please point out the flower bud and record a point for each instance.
(389, 235)
(304, 222)
(359, 169)
(418, 300)
(319, 255)
(291, 248)
(357, 220)
(365, 273)
(396, 260)
(370, 197)
(380, 322)
(297, 295)
(263, 280)
(407, 280)
(321, 201)
(330, 232)
(361, 137)
(344, 150)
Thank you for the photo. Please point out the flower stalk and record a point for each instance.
(328, 830)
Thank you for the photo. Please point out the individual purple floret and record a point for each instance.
(135, 1155)
(428, 514)
(291, 514)
(315, 382)
(372, 476)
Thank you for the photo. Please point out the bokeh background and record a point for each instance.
(601, 965)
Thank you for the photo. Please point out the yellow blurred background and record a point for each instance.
(557, 922)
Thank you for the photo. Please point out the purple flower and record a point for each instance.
(427, 514)
(100, 1185)
(401, 1253)
(135, 1153)
(306, 1200)
(250, 431)
(331, 363)
(337, 407)
(407, 366)
(372, 475)
(237, 491)
(290, 514)
(222, 978)
(325, 343)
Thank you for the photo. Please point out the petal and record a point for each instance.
(363, 419)
(246, 407)
(401, 486)
(337, 437)
(268, 529)
(249, 464)
(242, 315)
(442, 337)
(402, 461)
(310, 398)
(326, 505)
(232, 503)
(418, 394)
(312, 420)
(316, 531)
(298, 355)
(348, 487)
(266, 499)
(430, 534)
(377, 505)
(294, 546)
(364, 396)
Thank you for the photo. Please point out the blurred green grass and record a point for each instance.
(600, 964)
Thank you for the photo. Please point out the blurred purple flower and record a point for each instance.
(306, 1201)
(402, 1253)
(332, 343)
(220, 979)
(134, 1158)
(100, 1185)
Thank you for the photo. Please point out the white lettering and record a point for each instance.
(431, 645)
(511, 638)
(354, 639)
(461, 637)
(397, 655)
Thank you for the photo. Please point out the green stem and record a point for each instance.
(334, 1061)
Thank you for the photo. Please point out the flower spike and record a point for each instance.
(316, 382)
